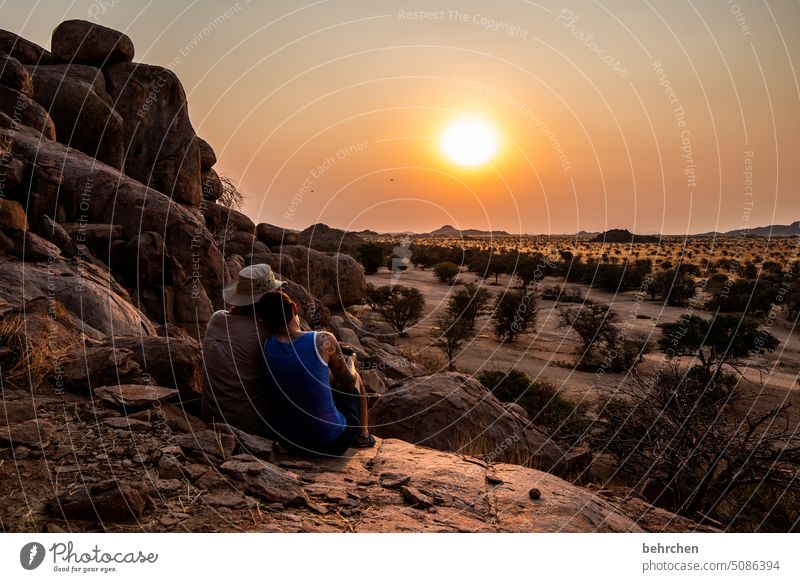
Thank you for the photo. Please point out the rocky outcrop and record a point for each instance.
(275, 236)
(25, 51)
(82, 112)
(14, 75)
(172, 362)
(221, 220)
(88, 292)
(395, 487)
(160, 144)
(21, 109)
(12, 216)
(337, 279)
(454, 412)
(83, 190)
(88, 43)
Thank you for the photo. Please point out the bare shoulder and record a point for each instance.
(326, 343)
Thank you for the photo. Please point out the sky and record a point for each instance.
(660, 116)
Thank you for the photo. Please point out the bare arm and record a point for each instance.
(342, 367)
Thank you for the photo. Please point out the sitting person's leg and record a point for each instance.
(353, 406)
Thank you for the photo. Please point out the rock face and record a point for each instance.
(454, 412)
(80, 41)
(337, 279)
(275, 236)
(134, 395)
(22, 109)
(12, 216)
(25, 51)
(103, 502)
(170, 361)
(84, 190)
(162, 150)
(89, 293)
(81, 110)
(14, 75)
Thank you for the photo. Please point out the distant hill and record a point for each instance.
(448, 230)
(622, 235)
(322, 237)
(771, 230)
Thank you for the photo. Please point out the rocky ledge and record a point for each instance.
(72, 464)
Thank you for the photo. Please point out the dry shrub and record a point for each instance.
(490, 451)
(427, 356)
(28, 360)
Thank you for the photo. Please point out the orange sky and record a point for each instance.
(661, 116)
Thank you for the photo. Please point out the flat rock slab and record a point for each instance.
(257, 446)
(207, 442)
(103, 502)
(125, 423)
(35, 433)
(267, 481)
(134, 395)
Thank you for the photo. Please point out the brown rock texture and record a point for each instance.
(454, 412)
(80, 41)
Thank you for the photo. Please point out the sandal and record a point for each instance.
(365, 442)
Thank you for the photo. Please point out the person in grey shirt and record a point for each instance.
(233, 355)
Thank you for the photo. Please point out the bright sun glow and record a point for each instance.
(470, 142)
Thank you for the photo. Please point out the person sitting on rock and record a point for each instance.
(233, 366)
(307, 414)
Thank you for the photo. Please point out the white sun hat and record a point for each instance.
(251, 285)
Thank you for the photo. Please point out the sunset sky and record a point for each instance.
(659, 116)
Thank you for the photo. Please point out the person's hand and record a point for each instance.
(350, 362)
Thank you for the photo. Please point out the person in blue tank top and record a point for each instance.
(305, 413)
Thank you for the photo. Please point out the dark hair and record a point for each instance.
(275, 310)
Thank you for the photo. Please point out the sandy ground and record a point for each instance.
(549, 352)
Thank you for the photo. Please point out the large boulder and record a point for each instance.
(81, 41)
(13, 74)
(32, 248)
(170, 361)
(220, 220)
(25, 51)
(241, 243)
(275, 235)
(84, 119)
(207, 156)
(81, 189)
(337, 279)
(454, 412)
(280, 264)
(161, 147)
(50, 230)
(12, 216)
(24, 110)
(159, 283)
(89, 293)
(212, 185)
(85, 368)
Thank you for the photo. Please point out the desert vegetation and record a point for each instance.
(673, 341)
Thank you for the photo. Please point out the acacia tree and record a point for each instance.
(514, 314)
(371, 255)
(469, 303)
(449, 334)
(676, 435)
(446, 271)
(714, 342)
(591, 321)
(399, 305)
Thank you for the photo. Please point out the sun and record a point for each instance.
(470, 142)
